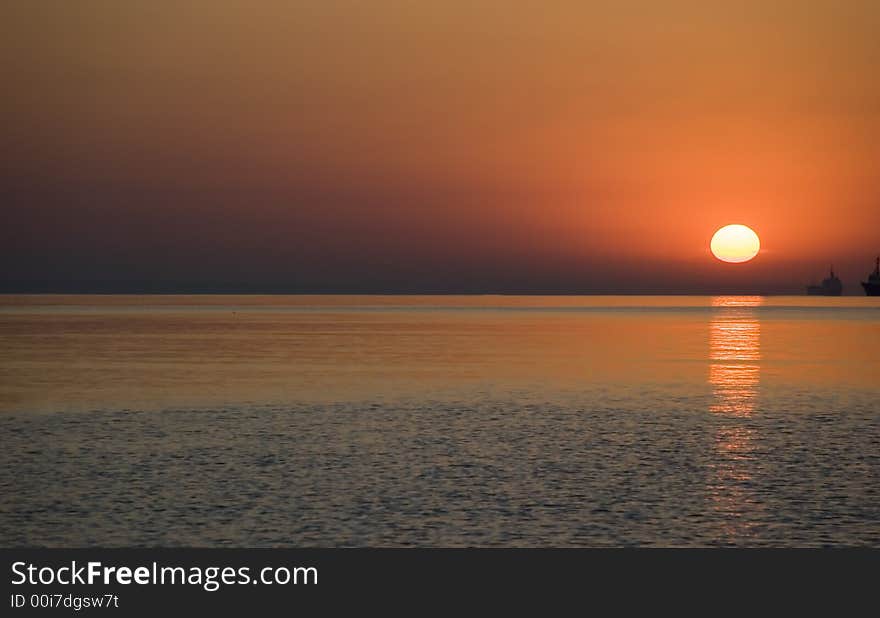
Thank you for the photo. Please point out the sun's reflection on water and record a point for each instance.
(734, 375)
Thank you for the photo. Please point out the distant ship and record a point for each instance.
(872, 285)
(832, 286)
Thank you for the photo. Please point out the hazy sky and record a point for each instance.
(436, 146)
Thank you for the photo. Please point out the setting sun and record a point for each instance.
(735, 243)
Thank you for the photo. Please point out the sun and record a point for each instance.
(735, 243)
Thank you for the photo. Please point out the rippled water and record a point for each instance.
(441, 421)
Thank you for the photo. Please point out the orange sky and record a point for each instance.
(454, 146)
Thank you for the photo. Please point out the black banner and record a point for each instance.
(135, 581)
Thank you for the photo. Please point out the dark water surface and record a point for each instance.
(441, 421)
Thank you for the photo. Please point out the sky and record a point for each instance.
(479, 146)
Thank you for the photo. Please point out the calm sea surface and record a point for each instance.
(439, 421)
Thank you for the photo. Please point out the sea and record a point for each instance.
(439, 421)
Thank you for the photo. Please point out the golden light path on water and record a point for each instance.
(734, 374)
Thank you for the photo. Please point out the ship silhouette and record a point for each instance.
(872, 285)
(830, 286)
